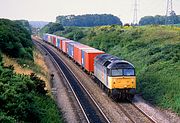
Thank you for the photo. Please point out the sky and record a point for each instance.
(47, 10)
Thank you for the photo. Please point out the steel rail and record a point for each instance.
(98, 107)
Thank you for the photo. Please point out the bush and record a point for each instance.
(39, 84)
(135, 46)
(78, 35)
(6, 119)
(155, 50)
(23, 98)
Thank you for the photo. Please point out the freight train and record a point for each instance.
(116, 76)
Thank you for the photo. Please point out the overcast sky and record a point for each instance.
(47, 10)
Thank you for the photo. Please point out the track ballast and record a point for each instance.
(93, 113)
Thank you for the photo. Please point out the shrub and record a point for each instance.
(23, 98)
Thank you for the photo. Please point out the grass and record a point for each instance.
(155, 52)
(27, 67)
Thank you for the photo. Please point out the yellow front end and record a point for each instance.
(124, 82)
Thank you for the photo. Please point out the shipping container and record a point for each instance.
(64, 45)
(49, 38)
(88, 56)
(54, 40)
(77, 52)
(70, 48)
(59, 41)
(45, 37)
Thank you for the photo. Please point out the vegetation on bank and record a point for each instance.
(154, 50)
(15, 40)
(25, 24)
(38, 66)
(22, 97)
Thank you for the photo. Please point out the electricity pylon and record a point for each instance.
(169, 19)
(135, 15)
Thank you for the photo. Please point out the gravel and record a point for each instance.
(155, 113)
(62, 94)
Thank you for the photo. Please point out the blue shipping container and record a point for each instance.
(58, 43)
(70, 50)
(45, 37)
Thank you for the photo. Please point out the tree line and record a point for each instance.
(25, 24)
(159, 20)
(88, 20)
(15, 40)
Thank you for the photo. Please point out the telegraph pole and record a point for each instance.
(135, 19)
(169, 18)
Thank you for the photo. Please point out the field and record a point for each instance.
(154, 50)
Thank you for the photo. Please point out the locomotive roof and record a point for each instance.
(112, 62)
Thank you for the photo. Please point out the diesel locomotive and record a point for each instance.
(116, 76)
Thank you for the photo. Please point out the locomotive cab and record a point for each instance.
(122, 77)
(117, 75)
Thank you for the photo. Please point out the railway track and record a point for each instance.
(132, 112)
(135, 114)
(91, 110)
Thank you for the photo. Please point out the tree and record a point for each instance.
(52, 28)
(25, 24)
(15, 40)
(88, 20)
(78, 35)
(160, 20)
(147, 20)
